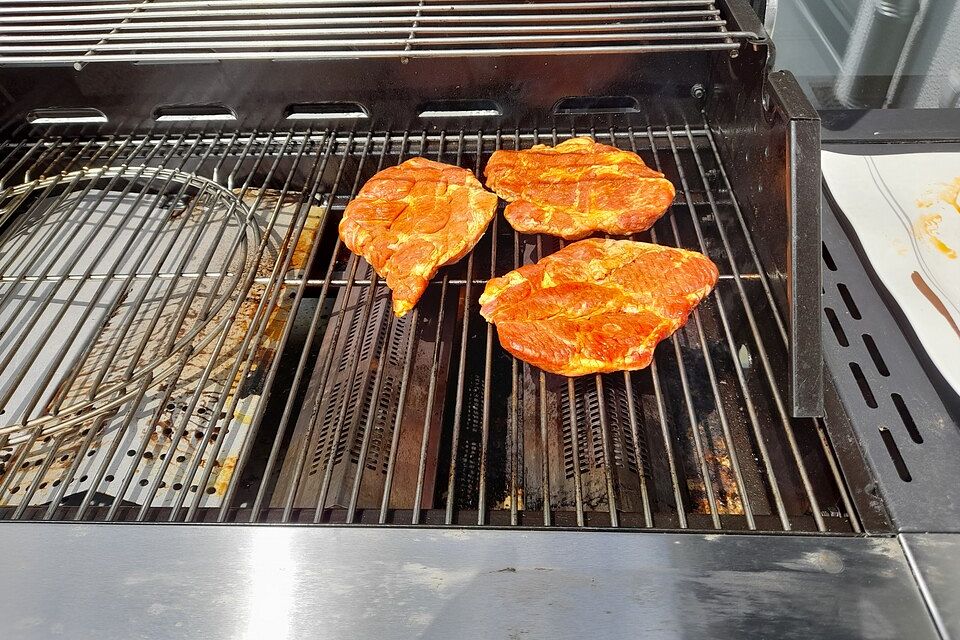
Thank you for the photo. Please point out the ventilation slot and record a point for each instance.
(864, 385)
(827, 258)
(906, 418)
(875, 354)
(589, 443)
(596, 105)
(837, 327)
(894, 453)
(326, 111)
(194, 113)
(848, 300)
(66, 116)
(461, 109)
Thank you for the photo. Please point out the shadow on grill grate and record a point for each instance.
(329, 409)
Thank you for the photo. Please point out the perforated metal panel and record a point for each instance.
(902, 421)
(362, 365)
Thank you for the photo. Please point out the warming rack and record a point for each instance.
(77, 33)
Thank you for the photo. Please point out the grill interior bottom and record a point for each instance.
(335, 411)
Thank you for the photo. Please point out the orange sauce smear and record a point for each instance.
(947, 193)
(926, 228)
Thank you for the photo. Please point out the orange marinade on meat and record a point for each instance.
(597, 305)
(412, 219)
(578, 188)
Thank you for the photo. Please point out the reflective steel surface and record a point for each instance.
(178, 581)
(935, 559)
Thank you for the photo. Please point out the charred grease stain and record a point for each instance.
(934, 299)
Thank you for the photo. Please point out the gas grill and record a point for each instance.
(186, 340)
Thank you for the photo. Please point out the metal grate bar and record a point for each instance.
(328, 358)
(488, 358)
(302, 361)
(368, 308)
(574, 429)
(461, 369)
(542, 399)
(751, 411)
(147, 36)
(290, 241)
(185, 8)
(765, 360)
(432, 422)
(497, 22)
(314, 180)
(516, 461)
(304, 43)
(67, 33)
(153, 485)
(708, 361)
(828, 452)
(754, 256)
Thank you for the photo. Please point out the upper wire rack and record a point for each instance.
(80, 32)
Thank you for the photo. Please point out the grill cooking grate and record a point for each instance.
(338, 412)
(181, 30)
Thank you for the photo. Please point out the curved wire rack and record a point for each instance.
(106, 276)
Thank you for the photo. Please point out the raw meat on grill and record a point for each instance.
(578, 188)
(598, 305)
(412, 219)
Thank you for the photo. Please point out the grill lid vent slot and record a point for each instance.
(58, 115)
(597, 105)
(461, 109)
(327, 111)
(194, 113)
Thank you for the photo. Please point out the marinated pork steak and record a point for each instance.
(412, 219)
(577, 188)
(597, 305)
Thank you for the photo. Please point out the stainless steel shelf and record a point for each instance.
(375, 583)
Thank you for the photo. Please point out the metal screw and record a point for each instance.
(697, 91)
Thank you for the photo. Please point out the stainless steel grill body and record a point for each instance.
(184, 339)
